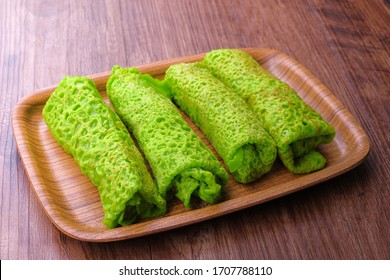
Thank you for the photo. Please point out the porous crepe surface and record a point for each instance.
(180, 161)
(225, 119)
(93, 134)
(295, 127)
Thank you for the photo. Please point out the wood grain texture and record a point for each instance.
(345, 44)
(72, 203)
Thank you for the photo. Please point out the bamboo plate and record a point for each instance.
(72, 203)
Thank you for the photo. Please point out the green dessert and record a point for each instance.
(94, 135)
(232, 128)
(180, 161)
(296, 128)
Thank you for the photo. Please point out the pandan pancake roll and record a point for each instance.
(94, 135)
(181, 163)
(226, 120)
(296, 128)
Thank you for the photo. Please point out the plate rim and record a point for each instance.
(165, 223)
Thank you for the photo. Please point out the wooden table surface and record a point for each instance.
(345, 44)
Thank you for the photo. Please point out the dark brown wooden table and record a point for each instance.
(345, 44)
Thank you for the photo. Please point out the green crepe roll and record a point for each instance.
(94, 135)
(231, 127)
(180, 161)
(296, 128)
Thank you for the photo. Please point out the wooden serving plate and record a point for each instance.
(72, 203)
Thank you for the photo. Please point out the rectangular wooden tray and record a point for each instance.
(72, 203)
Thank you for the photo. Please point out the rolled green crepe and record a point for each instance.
(180, 161)
(94, 135)
(296, 128)
(232, 128)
